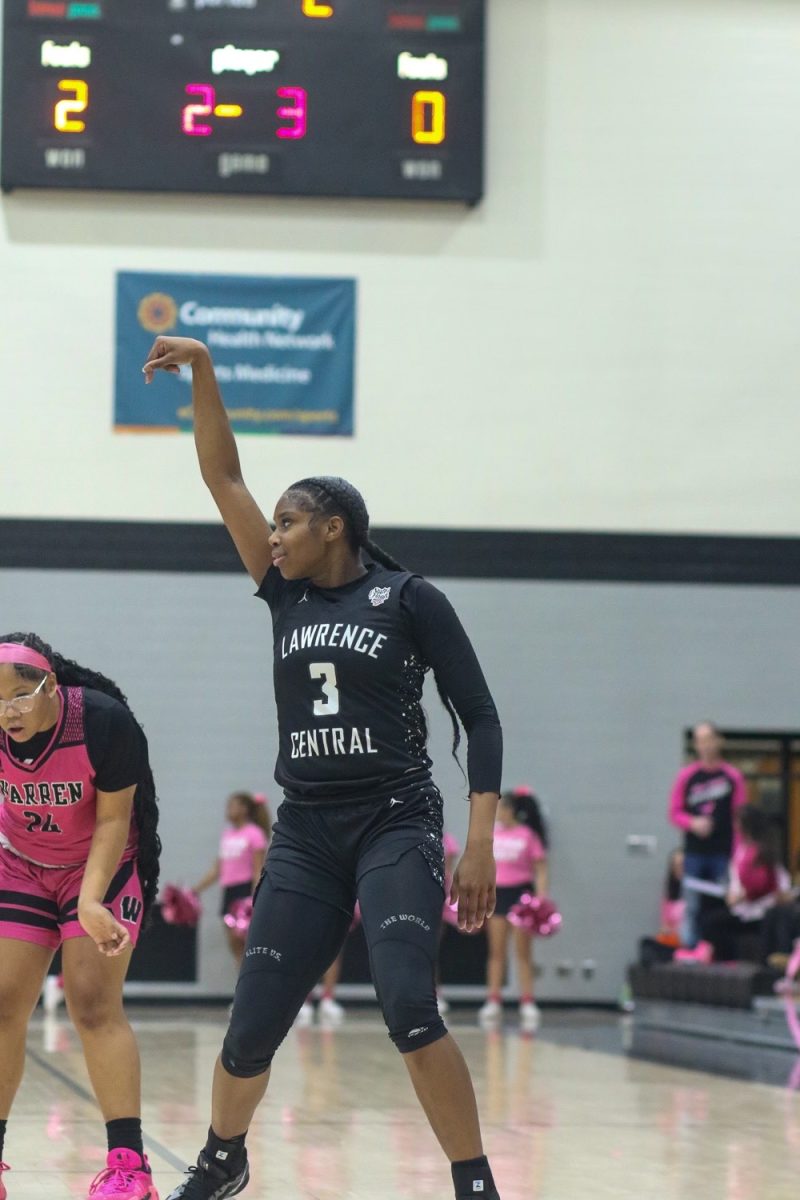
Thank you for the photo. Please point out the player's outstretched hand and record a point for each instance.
(170, 354)
(473, 888)
(108, 935)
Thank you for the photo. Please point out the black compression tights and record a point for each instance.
(293, 939)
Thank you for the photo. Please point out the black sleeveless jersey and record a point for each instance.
(349, 670)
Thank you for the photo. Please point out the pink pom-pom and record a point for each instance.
(259, 798)
(180, 906)
(537, 915)
(238, 919)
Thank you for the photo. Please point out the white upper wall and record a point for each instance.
(608, 342)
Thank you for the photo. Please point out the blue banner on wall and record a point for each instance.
(283, 350)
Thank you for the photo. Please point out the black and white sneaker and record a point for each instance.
(207, 1181)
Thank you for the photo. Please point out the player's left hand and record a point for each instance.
(105, 931)
(170, 354)
(473, 887)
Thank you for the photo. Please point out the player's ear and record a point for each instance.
(335, 529)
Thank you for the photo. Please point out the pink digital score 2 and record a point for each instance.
(192, 112)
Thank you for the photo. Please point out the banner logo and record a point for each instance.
(157, 313)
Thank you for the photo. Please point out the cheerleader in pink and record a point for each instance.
(520, 851)
(79, 854)
(242, 853)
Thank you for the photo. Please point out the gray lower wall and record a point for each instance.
(594, 683)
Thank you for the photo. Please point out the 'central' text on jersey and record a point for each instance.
(310, 743)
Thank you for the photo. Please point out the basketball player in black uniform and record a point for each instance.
(362, 818)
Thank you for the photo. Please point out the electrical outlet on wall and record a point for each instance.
(641, 843)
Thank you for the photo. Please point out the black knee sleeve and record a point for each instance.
(404, 980)
(401, 907)
(245, 1056)
(292, 940)
(243, 1068)
(265, 1005)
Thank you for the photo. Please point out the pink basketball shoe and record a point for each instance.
(3, 1192)
(702, 953)
(126, 1177)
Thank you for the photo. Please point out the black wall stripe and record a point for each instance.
(442, 553)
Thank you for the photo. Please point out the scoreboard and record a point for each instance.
(372, 98)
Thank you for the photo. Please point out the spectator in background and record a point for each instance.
(662, 947)
(782, 926)
(780, 932)
(673, 906)
(705, 797)
(520, 850)
(242, 851)
(757, 881)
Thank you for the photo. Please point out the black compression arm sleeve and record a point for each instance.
(445, 647)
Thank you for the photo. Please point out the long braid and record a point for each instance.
(145, 803)
(331, 495)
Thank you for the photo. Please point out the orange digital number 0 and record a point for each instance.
(428, 118)
(63, 114)
(312, 8)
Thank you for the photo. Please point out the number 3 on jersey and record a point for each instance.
(328, 707)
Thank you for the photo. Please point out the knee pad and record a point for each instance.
(404, 981)
(244, 1057)
(421, 1035)
(263, 1011)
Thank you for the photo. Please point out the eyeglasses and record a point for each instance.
(22, 704)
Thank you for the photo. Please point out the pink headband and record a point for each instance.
(12, 652)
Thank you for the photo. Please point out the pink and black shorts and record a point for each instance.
(40, 904)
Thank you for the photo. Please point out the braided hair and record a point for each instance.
(329, 496)
(145, 803)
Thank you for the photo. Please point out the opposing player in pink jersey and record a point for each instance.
(520, 851)
(79, 852)
(242, 851)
